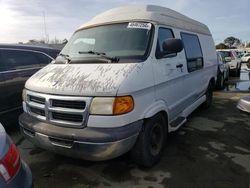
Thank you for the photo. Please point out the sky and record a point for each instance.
(22, 20)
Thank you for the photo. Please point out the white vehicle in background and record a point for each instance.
(223, 71)
(246, 58)
(125, 80)
(233, 61)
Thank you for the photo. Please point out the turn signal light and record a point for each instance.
(123, 105)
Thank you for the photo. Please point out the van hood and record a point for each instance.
(80, 79)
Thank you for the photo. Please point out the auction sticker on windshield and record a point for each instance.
(139, 25)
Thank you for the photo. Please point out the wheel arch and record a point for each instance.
(212, 80)
(159, 107)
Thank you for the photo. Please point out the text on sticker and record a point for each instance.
(139, 25)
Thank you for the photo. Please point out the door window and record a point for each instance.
(15, 59)
(43, 59)
(2, 68)
(163, 34)
(193, 51)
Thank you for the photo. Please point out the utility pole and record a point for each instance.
(45, 29)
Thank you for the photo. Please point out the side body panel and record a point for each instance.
(169, 80)
(196, 82)
(3, 102)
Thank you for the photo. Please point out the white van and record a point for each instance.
(124, 80)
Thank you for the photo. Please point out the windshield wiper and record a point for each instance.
(101, 54)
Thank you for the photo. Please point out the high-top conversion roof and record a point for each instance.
(148, 13)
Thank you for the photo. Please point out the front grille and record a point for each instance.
(37, 111)
(37, 99)
(59, 110)
(69, 104)
(67, 117)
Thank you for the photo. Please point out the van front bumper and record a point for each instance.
(87, 143)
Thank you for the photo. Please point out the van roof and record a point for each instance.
(148, 13)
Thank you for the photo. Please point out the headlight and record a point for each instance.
(111, 105)
(24, 94)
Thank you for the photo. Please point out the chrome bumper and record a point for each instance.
(89, 144)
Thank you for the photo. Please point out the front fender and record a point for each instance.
(154, 108)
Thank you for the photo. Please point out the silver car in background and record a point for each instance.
(223, 71)
(14, 173)
(234, 62)
(244, 104)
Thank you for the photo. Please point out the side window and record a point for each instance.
(54, 54)
(233, 55)
(43, 59)
(193, 51)
(163, 34)
(2, 68)
(219, 59)
(15, 59)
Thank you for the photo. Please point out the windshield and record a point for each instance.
(226, 53)
(123, 41)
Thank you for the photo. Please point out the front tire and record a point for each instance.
(151, 141)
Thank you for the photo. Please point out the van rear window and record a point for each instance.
(193, 51)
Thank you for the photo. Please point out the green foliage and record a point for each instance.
(221, 46)
(232, 42)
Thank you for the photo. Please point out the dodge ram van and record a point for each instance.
(124, 80)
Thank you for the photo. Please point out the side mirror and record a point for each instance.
(170, 46)
(228, 59)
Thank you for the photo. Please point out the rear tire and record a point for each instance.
(151, 141)
(220, 81)
(209, 96)
(238, 71)
(227, 78)
(248, 63)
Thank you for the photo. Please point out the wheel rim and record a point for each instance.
(156, 139)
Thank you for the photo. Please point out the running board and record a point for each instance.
(175, 124)
(193, 106)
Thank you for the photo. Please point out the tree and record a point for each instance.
(221, 46)
(232, 42)
(248, 45)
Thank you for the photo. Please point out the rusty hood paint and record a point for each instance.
(80, 79)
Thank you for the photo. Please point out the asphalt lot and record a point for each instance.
(211, 150)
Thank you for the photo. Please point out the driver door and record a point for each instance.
(168, 72)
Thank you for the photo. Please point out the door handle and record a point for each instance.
(179, 66)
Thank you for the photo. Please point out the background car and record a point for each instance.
(244, 104)
(223, 71)
(233, 61)
(14, 173)
(17, 64)
(246, 58)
